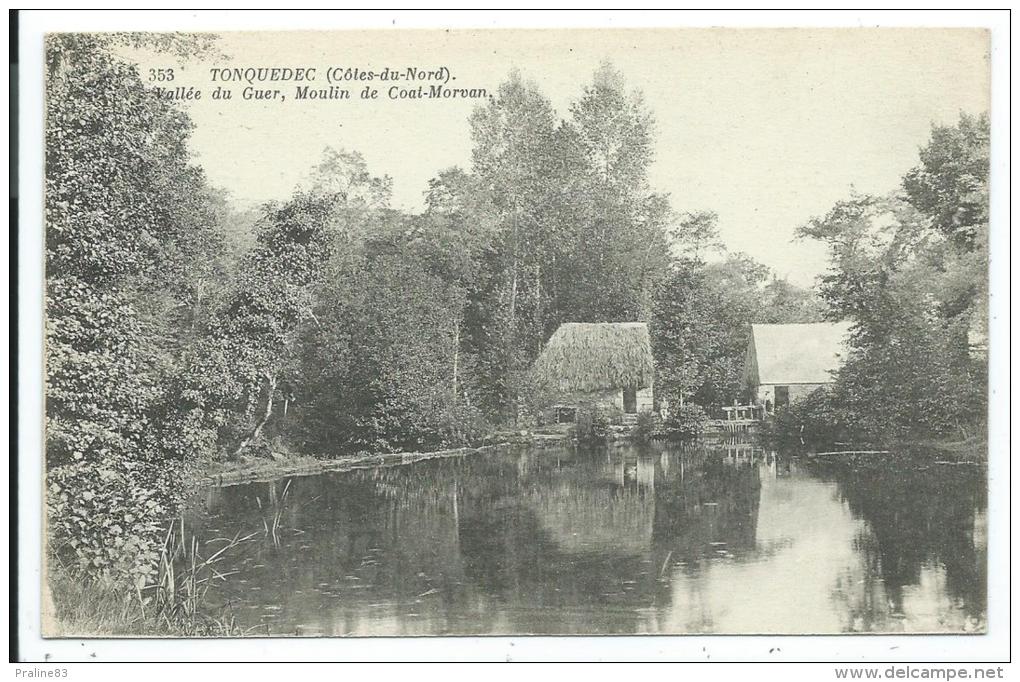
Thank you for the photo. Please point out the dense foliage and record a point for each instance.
(910, 271)
(702, 317)
(129, 239)
(816, 422)
(593, 422)
(686, 422)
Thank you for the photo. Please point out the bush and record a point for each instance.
(812, 422)
(534, 397)
(648, 425)
(687, 422)
(106, 518)
(593, 423)
(465, 425)
(171, 602)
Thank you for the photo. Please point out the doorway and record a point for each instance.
(630, 400)
(782, 396)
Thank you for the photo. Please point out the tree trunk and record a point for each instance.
(260, 424)
(513, 293)
(456, 358)
(539, 321)
(513, 281)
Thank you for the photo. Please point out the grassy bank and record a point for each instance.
(97, 611)
(75, 609)
(261, 468)
(172, 604)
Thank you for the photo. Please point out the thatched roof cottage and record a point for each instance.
(607, 363)
(786, 362)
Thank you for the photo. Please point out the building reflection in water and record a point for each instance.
(728, 539)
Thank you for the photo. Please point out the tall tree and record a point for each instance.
(950, 186)
(514, 162)
(620, 245)
(130, 231)
(389, 375)
(272, 300)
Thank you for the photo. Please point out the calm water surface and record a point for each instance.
(594, 541)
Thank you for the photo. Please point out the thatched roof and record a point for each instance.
(795, 353)
(586, 357)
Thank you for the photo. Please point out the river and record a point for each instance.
(721, 539)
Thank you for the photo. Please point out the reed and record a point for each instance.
(277, 504)
(176, 600)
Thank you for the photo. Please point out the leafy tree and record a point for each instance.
(910, 270)
(614, 131)
(260, 327)
(619, 243)
(514, 165)
(701, 323)
(784, 303)
(457, 231)
(126, 218)
(390, 377)
(950, 186)
(344, 174)
(267, 349)
(694, 234)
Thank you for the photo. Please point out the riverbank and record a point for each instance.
(973, 450)
(73, 608)
(255, 469)
(77, 609)
(70, 608)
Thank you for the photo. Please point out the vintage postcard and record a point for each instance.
(516, 332)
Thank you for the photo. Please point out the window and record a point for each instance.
(566, 415)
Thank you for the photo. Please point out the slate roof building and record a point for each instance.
(786, 362)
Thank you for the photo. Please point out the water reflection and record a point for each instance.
(627, 540)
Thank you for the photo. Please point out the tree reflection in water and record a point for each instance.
(620, 540)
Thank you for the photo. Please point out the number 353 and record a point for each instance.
(161, 75)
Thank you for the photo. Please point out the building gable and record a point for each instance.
(782, 354)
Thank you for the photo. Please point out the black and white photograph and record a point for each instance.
(513, 332)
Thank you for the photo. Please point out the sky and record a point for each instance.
(765, 127)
